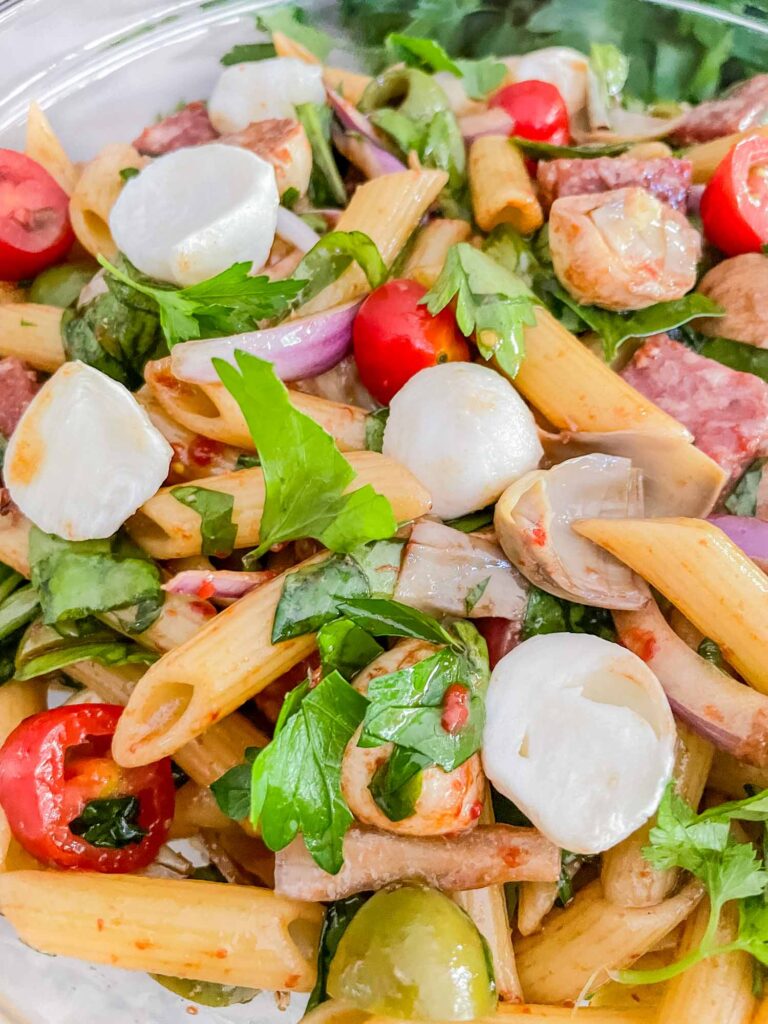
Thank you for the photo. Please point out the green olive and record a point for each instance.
(412, 92)
(206, 993)
(412, 953)
(60, 286)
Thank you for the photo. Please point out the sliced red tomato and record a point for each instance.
(734, 207)
(537, 109)
(55, 765)
(455, 708)
(394, 337)
(34, 218)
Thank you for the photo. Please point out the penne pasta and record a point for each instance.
(534, 902)
(43, 145)
(167, 529)
(579, 945)
(704, 574)
(95, 194)
(430, 248)
(731, 776)
(577, 391)
(387, 209)
(18, 700)
(717, 990)
(196, 809)
(654, 150)
(210, 410)
(707, 155)
(32, 332)
(627, 877)
(501, 189)
(229, 934)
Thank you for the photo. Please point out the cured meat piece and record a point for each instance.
(18, 386)
(667, 178)
(725, 410)
(190, 126)
(745, 107)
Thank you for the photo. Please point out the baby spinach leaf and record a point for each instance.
(396, 784)
(345, 648)
(43, 649)
(737, 355)
(381, 616)
(233, 790)
(328, 258)
(545, 613)
(326, 187)
(111, 823)
(375, 424)
(215, 510)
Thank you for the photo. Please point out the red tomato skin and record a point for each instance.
(732, 218)
(394, 337)
(537, 109)
(41, 790)
(35, 230)
(455, 708)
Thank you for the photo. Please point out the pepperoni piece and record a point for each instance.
(190, 126)
(666, 178)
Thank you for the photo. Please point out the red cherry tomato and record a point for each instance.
(55, 763)
(34, 218)
(734, 207)
(394, 337)
(537, 109)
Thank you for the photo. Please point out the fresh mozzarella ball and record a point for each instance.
(262, 89)
(566, 69)
(580, 736)
(84, 455)
(194, 212)
(464, 433)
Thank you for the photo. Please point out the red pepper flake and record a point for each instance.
(455, 708)
(206, 589)
(100, 924)
(538, 536)
(475, 810)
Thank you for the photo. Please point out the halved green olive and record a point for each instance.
(206, 993)
(412, 953)
(61, 286)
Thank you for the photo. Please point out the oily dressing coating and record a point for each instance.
(622, 249)
(740, 286)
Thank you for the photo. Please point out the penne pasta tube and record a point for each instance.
(534, 902)
(167, 529)
(427, 257)
(196, 809)
(197, 684)
(501, 189)
(387, 209)
(717, 990)
(210, 410)
(707, 155)
(730, 776)
(761, 1017)
(704, 574)
(627, 877)
(579, 945)
(577, 391)
(32, 332)
(654, 150)
(18, 700)
(229, 934)
(95, 194)
(336, 1012)
(43, 145)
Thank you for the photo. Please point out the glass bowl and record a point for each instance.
(102, 70)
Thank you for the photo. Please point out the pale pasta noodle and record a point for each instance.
(43, 145)
(502, 192)
(32, 332)
(95, 194)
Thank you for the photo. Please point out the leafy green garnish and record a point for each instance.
(480, 77)
(328, 258)
(217, 530)
(337, 917)
(206, 993)
(472, 521)
(126, 173)
(742, 501)
(381, 616)
(292, 22)
(545, 613)
(111, 823)
(247, 460)
(475, 593)
(396, 784)
(549, 150)
(233, 790)
(43, 649)
(244, 53)
(229, 303)
(305, 475)
(375, 423)
(296, 785)
(737, 355)
(711, 652)
(491, 302)
(345, 648)
(611, 68)
(326, 187)
(17, 609)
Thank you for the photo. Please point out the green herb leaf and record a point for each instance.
(420, 53)
(545, 613)
(742, 501)
(337, 917)
(206, 993)
(17, 609)
(229, 303)
(396, 784)
(247, 460)
(112, 823)
(233, 790)
(481, 77)
(491, 302)
(215, 510)
(43, 649)
(515, 253)
(381, 616)
(78, 578)
(475, 593)
(345, 648)
(375, 423)
(326, 187)
(126, 173)
(589, 151)
(292, 22)
(611, 68)
(244, 53)
(9, 580)
(296, 786)
(472, 521)
(710, 651)
(737, 355)
(327, 260)
(305, 474)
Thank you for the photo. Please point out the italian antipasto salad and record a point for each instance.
(383, 529)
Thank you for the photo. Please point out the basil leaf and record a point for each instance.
(742, 501)
(9, 580)
(475, 593)
(328, 258)
(43, 649)
(420, 53)
(375, 424)
(396, 784)
(326, 187)
(247, 460)
(384, 617)
(217, 530)
(586, 152)
(17, 610)
(233, 790)
(111, 824)
(481, 77)
(472, 521)
(243, 53)
(711, 652)
(337, 918)
(345, 648)
(737, 355)
(545, 613)
(126, 173)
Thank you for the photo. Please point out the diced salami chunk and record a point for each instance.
(18, 386)
(725, 410)
(745, 107)
(189, 127)
(667, 178)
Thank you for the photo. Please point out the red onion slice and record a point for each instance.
(297, 348)
(493, 121)
(215, 585)
(365, 155)
(750, 534)
(350, 117)
(291, 228)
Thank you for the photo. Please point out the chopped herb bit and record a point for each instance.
(126, 173)
(244, 53)
(475, 593)
(375, 423)
(109, 823)
(742, 501)
(217, 530)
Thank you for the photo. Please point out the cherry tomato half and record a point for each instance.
(55, 763)
(734, 206)
(34, 218)
(394, 337)
(537, 109)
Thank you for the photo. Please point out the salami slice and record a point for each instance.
(18, 386)
(667, 178)
(745, 107)
(188, 127)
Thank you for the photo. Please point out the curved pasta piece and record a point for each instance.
(501, 189)
(228, 934)
(210, 410)
(704, 574)
(43, 145)
(167, 529)
(95, 194)
(32, 332)
(426, 257)
(18, 700)
(707, 155)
